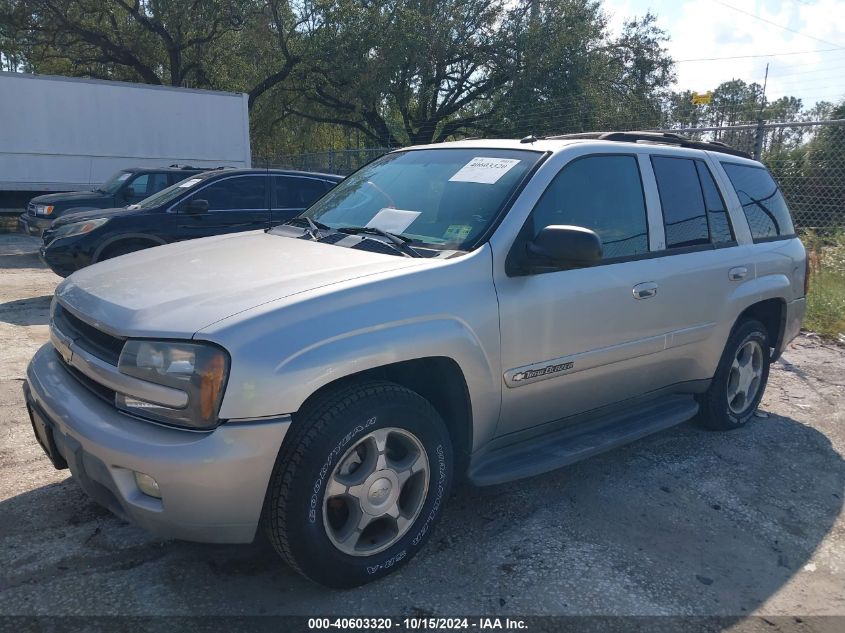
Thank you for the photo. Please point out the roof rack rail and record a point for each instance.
(178, 166)
(665, 138)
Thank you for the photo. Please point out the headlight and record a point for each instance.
(199, 369)
(78, 228)
(44, 209)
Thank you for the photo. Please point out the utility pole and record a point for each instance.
(760, 131)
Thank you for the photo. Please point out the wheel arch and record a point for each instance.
(438, 379)
(152, 240)
(772, 314)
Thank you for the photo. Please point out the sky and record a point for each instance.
(711, 28)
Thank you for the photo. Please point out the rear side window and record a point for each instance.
(717, 213)
(693, 210)
(296, 193)
(601, 193)
(238, 193)
(761, 200)
(682, 200)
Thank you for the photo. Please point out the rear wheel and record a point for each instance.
(740, 380)
(359, 484)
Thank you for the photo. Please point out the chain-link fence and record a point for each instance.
(807, 159)
(342, 162)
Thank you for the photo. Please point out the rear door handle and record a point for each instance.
(738, 273)
(645, 290)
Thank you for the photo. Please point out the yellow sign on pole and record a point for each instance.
(702, 98)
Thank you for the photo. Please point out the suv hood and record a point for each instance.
(71, 198)
(81, 216)
(175, 290)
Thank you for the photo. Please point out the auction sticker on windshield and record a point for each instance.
(484, 170)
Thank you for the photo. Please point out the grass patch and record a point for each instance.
(826, 298)
(826, 305)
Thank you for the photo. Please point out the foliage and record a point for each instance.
(811, 172)
(826, 297)
(568, 75)
(324, 74)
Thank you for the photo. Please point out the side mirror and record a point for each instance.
(197, 206)
(558, 247)
(129, 193)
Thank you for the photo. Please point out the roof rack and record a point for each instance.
(664, 138)
(178, 166)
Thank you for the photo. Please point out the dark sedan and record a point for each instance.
(210, 203)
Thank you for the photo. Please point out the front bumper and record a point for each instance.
(32, 225)
(212, 483)
(60, 261)
(66, 255)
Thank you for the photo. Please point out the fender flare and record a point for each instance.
(759, 289)
(766, 288)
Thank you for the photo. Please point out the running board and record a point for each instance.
(571, 444)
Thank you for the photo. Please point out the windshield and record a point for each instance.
(173, 191)
(115, 182)
(445, 198)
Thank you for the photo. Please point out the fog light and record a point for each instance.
(147, 485)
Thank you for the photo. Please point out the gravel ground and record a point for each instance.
(683, 522)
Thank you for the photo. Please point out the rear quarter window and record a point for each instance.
(761, 200)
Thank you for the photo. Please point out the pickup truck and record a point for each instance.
(481, 310)
(127, 186)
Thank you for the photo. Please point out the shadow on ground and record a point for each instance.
(684, 522)
(10, 261)
(32, 311)
(17, 250)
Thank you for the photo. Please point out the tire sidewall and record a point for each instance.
(313, 551)
(749, 331)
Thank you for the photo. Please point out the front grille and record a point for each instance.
(87, 337)
(30, 208)
(93, 386)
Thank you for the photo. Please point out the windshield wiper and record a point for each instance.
(400, 241)
(313, 229)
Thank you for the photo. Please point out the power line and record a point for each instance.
(833, 69)
(780, 26)
(713, 59)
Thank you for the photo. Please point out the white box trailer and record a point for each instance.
(68, 134)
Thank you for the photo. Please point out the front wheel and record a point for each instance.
(123, 248)
(740, 378)
(359, 483)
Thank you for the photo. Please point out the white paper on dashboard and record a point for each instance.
(484, 170)
(190, 183)
(393, 220)
(124, 176)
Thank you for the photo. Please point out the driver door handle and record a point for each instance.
(738, 273)
(645, 290)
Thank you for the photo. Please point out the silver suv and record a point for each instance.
(486, 310)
